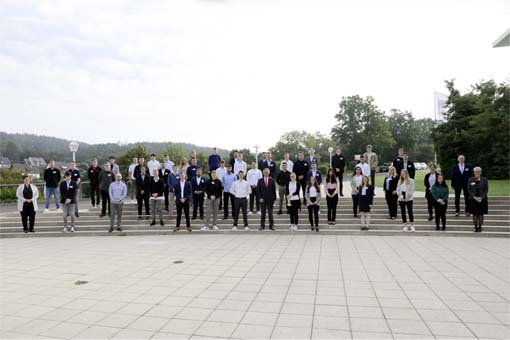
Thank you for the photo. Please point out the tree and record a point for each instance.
(477, 126)
(424, 148)
(403, 129)
(248, 157)
(126, 160)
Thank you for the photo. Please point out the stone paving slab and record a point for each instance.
(255, 287)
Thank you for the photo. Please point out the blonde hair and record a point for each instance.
(477, 168)
(407, 176)
(392, 169)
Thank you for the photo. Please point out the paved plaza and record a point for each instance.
(255, 287)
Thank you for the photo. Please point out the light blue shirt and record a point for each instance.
(227, 180)
(118, 191)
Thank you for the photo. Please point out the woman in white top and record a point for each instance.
(355, 184)
(294, 203)
(405, 191)
(313, 197)
(27, 195)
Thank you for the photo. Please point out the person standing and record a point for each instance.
(198, 189)
(313, 197)
(227, 181)
(397, 162)
(195, 155)
(156, 196)
(132, 178)
(429, 180)
(261, 160)
(440, 193)
(301, 168)
(311, 158)
(234, 159)
(314, 172)
(168, 163)
(153, 164)
(214, 190)
(266, 192)
(355, 184)
(241, 190)
(390, 192)
(163, 173)
(214, 160)
(52, 180)
(93, 175)
(253, 176)
(184, 166)
(142, 192)
(407, 165)
(239, 164)
(27, 195)
(366, 198)
(331, 186)
(460, 175)
(114, 168)
(68, 200)
(282, 179)
(182, 192)
(191, 171)
(365, 168)
(76, 177)
(270, 164)
(294, 203)
(106, 178)
(172, 180)
(138, 168)
(338, 163)
(118, 192)
(405, 192)
(290, 164)
(478, 188)
(372, 161)
(220, 172)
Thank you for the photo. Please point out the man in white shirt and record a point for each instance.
(132, 179)
(365, 168)
(220, 172)
(240, 189)
(290, 164)
(153, 164)
(372, 161)
(168, 163)
(253, 177)
(239, 164)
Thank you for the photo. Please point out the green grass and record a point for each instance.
(497, 187)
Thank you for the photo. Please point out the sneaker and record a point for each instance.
(119, 228)
(72, 229)
(46, 211)
(205, 228)
(215, 227)
(161, 223)
(413, 229)
(295, 227)
(457, 213)
(65, 230)
(110, 230)
(291, 227)
(250, 212)
(234, 228)
(59, 210)
(389, 218)
(246, 228)
(405, 228)
(258, 212)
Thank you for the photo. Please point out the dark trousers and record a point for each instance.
(198, 204)
(241, 204)
(355, 204)
(372, 177)
(94, 191)
(269, 207)
(332, 203)
(409, 206)
(340, 176)
(28, 216)
(430, 202)
(254, 198)
(165, 193)
(303, 189)
(227, 197)
(294, 212)
(440, 210)
(391, 201)
(180, 207)
(313, 213)
(105, 196)
(457, 199)
(143, 200)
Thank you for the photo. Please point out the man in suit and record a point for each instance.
(282, 179)
(266, 192)
(156, 192)
(192, 169)
(398, 160)
(182, 191)
(314, 172)
(261, 161)
(460, 175)
(198, 189)
(372, 161)
(301, 169)
(406, 164)
(269, 164)
(338, 164)
(163, 174)
(142, 192)
(68, 199)
(172, 180)
(311, 158)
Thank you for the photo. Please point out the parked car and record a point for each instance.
(385, 167)
(420, 166)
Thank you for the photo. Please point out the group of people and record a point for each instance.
(156, 186)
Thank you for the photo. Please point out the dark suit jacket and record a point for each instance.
(338, 162)
(197, 187)
(484, 188)
(186, 194)
(410, 168)
(427, 184)
(164, 176)
(156, 187)
(142, 184)
(65, 194)
(393, 184)
(269, 193)
(272, 167)
(460, 180)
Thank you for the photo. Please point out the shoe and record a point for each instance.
(189, 229)
(457, 213)
(389, 218)
(205, 228)
(246, 228)
(193, 218)
(468, 214)
(393, 218)
(443, 229)
(147, 217)
(354, 218)
(367, 228)
(342, 195)
(413, 229)
(362, 228)
(333, 223)
(250, 212)
(176, 229)
(279, 212)
(109, 214)
(110, 230)
(295, 227)
(258, 212)
(77, 215)
(161, 223)
(31, 230)
(215, 227)
(92, 206)
(312, 228)
(437, 228)
(119, 229)
(234, 228)
(139, 218)
(59, 210)
(72, 229)
(262, 227)
(25, 230)
(153, 222)
(291, 227)
(431, 218)
(102, 215)
(405, 228)
(65, 230)
(46, 211)
(271, 227)
(317, 229)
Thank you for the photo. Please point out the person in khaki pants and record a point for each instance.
(372, 161)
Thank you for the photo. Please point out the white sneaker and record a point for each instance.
(295, 227)
(59, 210)
(234, 228)
(46, 211)
(205, 228)
(250, 213)
(412, 228)
(246, 228)
(292, 227)
(72, 229)
(405, 228)
(258, 212)
(215, 227)
(65, 230)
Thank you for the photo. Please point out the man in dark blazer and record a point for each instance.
(68, 199)
(198, 189)
(406, 164)
(270, 164)
(266, 192)
(338, 164)
(182, 191)
(301, 169)
(163, 174)
(460, 175)
(142, 191)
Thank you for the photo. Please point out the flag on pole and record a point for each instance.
(440, 108)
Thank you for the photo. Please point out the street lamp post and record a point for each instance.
(257, 154)
(330, 150)
(73, 147)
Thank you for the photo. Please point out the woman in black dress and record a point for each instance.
(478, 187)
(366, 198)
(390, 192)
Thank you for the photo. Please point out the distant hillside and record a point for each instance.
(17, 146)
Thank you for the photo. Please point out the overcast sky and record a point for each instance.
(232, 73)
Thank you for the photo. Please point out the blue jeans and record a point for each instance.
(54, 192)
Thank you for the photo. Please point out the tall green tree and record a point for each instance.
(424, 148)
(403, 129)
